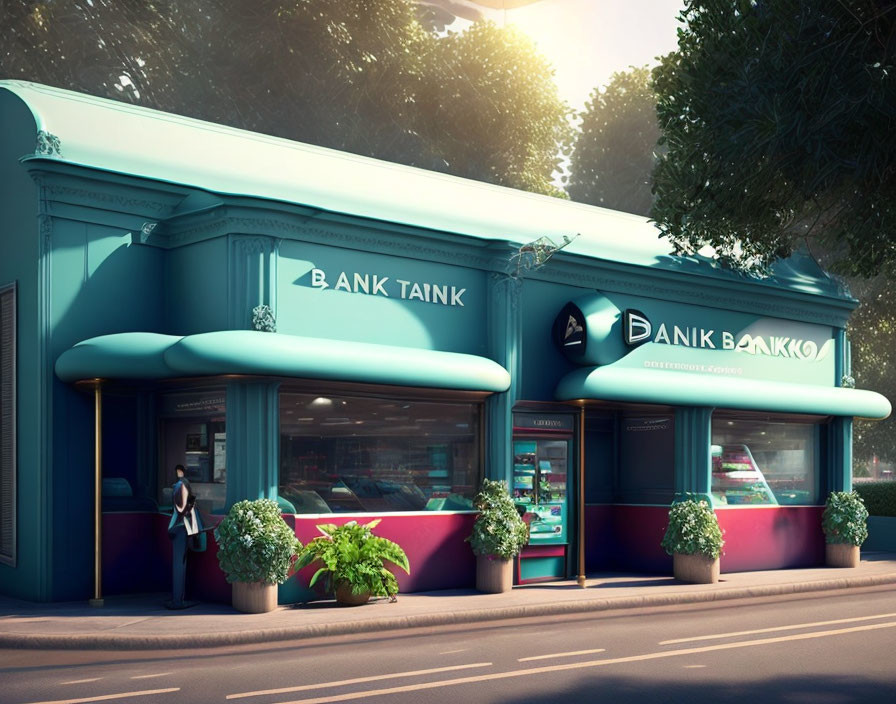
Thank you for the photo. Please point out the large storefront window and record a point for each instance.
(767, 462)
(364, 454)
(193, 434)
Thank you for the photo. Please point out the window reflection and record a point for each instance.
(763, 462)
(194, 435)
(363, 454)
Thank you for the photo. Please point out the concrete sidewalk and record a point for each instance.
(142, 622)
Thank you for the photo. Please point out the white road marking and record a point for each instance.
(92, 679)
(358, 680)
(448, 652)
(775, 629)
(591, 663)
(146, 677)
(562, 655)
(107, 697)
(693, 667)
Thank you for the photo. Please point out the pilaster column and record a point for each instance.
(839, 467)
(505, 347)
(252, 277)
(693, 461)
(253, 440)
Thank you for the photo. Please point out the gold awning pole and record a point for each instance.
(97, 496)
(581, 577)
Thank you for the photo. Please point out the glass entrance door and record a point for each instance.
(540, 484)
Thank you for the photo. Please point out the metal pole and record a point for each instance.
(97, 496)
(581, 577)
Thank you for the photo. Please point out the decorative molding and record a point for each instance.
(101, 196)
(691, 290)
(46, 232)
(362, 237)
(47, 144)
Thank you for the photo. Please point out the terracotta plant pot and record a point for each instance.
(841, 555)
(493, 575)
(254, 597)
(345, 596)
(695, 569)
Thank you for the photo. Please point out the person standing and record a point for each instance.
(185, 524)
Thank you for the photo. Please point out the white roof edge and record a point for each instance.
(124, 138)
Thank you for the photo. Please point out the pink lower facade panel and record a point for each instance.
(137, 551)
(137, 554)
(627, 537)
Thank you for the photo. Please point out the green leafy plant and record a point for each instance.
(693, 530)
(845, 518)
(353, 555)
(498, 531)
(255, 544)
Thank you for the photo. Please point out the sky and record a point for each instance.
(588, 40)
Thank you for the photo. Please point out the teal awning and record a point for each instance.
(140, 355)
(673, 388)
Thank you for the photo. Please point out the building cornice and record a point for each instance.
(168, 216)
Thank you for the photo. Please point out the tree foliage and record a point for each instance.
(356, 75)
(778, 117)
(490, 111)
(615, 149)
(872, 332)
(141, 52)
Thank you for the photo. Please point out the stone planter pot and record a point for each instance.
(841, 555)
(345, 596)
(254, 597)
(695, 569)
(493, 575)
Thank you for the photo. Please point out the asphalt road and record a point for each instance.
(818, 650)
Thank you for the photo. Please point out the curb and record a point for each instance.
(103, 641)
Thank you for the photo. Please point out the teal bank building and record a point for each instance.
(357, 339)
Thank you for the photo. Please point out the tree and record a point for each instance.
(356, 75)
(615, 150)
(778, 117)
(872, 332)
(489, 109)
(336, 73)
(148, 53)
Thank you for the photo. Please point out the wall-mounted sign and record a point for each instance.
(377, 285)
(554, 422)
(193, 403)
(647, 425)
(637, 329)
(570, 332)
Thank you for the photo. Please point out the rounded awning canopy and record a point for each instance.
(674, 388)
(145, 355)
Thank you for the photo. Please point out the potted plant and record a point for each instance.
(694, 540)
(353, 562)
(255, 550)
(499, 534)
(844, 523)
